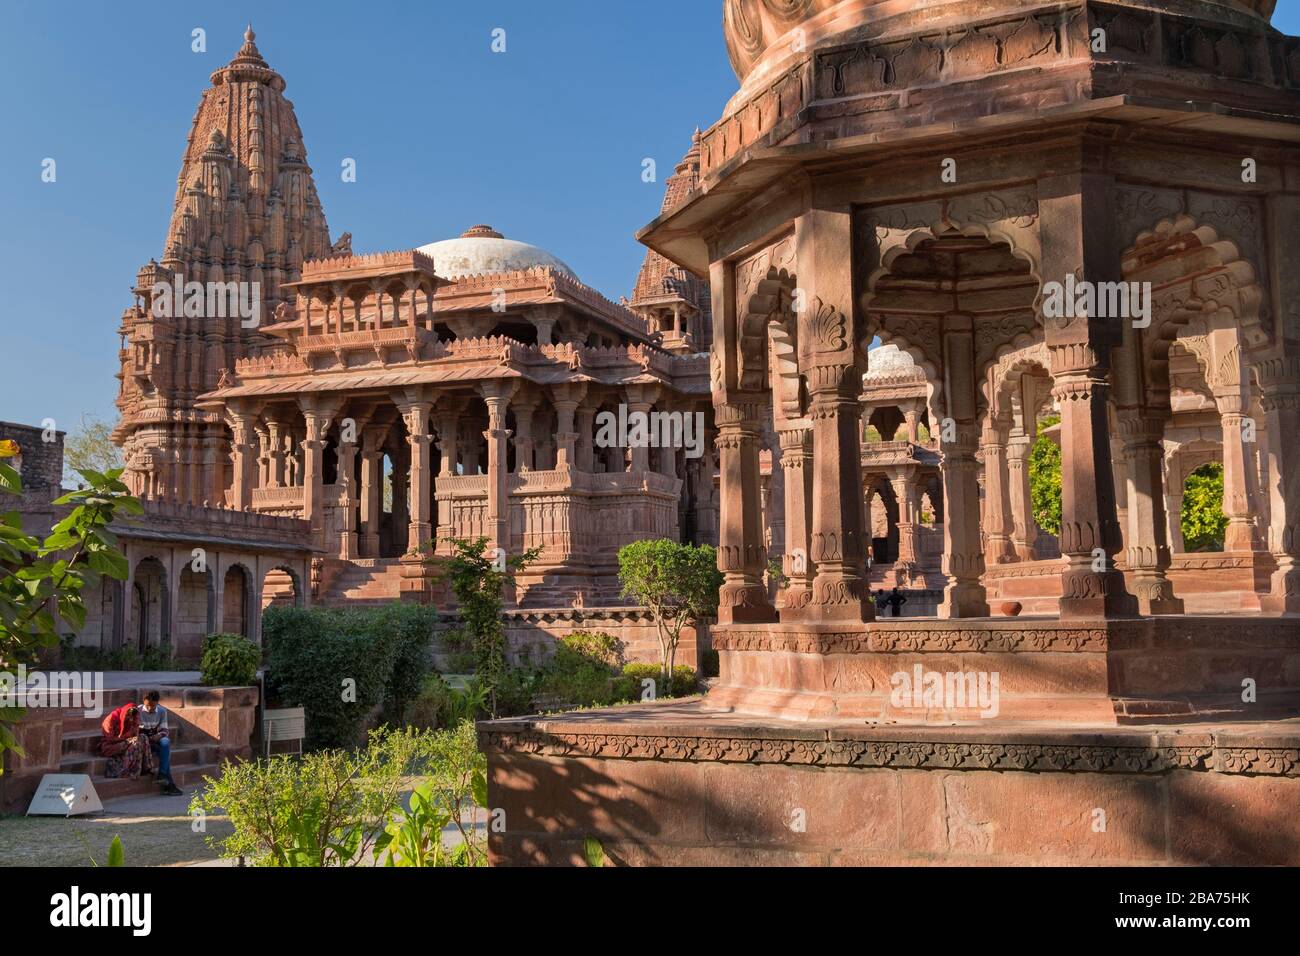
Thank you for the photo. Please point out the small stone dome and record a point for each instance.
(481, 250)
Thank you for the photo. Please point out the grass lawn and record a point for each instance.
(157, 838)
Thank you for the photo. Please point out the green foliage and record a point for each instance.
(412, 627)
(1203, 520)
(593, 852)
(439, 705)
(477, 581)
(678, 583)
(323, 809)
(116, 855)
(1045, 479)
(340, 663)
(776, 574)
(229, 660)
(629, 685)
(157, 657)
(456, 780)
(89, 447)
(581, 674)
(42, 579)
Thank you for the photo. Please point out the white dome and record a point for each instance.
(482, 251)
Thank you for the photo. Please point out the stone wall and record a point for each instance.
(725, 794)
(40, 463)
(532, 633)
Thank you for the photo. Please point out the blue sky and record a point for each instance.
(544, 142)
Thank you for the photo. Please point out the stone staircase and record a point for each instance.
(364, 582)
(191, 761)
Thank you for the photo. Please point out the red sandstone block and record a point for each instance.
(786, 806)
(1234, 819)
(1054, 816)
(921, 802)
(631, 799)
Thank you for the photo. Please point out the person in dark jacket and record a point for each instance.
(896, 599)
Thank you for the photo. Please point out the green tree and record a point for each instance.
(678, 583)
(89, 446)
(477, 579)
(1202, 517)
(1045, 478)
(41, 581)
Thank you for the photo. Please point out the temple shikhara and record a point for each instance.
(921, 241)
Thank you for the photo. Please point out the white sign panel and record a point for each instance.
(64, 795)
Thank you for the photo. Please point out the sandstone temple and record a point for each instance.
(920, 239)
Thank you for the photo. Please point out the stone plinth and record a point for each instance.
(685, 784)
(1107, 672)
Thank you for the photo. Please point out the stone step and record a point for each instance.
(95, 766)
(188, 778)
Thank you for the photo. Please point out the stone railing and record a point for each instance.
(195, 521)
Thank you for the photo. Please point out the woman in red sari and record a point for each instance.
(127, 750)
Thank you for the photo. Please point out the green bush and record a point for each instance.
(710, 666)
(1045, 479)
(229, 660)
(325, 809)
(628, 686)
(1203, 521)
(340, 663)
(412, 628)
(582, 671)
(74, 658)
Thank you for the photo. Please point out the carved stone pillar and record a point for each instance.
(276, 475)
(1238, 486)
(907, 494)
(586, 438)
(1279, 381)
(828, 350)
(796, 463)
(1147, 554)
(964, 594)
(999, 548)
(1092, 585)
(243, 450)
(743, 598)
(401, 492)
(640, 402)
(448, 434)
(313, 445)
(566, 399)
(372, 489)
(1024, 528)
(497, 397)
(349, 500)
(524, 444)
(419, 524)
(839, 587)
(1077, 231)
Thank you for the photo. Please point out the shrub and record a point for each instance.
(1045, 478)
(229, 661)
(581, 672)
(678, 583)
(456, 776)
(335, 664)
(412, 629)
(1203, 521)
(477, 581)
(709, 664)
(325, 809)
(629, 685)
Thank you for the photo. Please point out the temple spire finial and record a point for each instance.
(249, 35)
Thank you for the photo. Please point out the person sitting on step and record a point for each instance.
(153, 725)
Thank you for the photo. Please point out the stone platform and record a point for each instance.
(684, 783)
(1139, 670)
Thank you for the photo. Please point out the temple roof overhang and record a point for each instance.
(678, 234)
